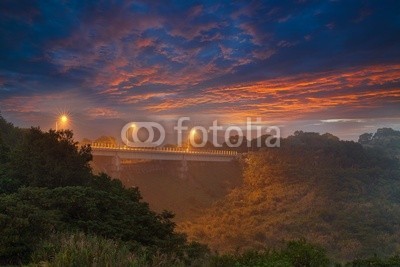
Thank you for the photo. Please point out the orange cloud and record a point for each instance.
(296, 96)
(101, 112)
(144, 97)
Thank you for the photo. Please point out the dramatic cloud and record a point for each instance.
(284, 61)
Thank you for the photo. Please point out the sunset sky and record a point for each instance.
(325, 66)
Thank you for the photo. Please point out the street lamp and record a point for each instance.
(63, 120)
(133, 126)
(191, 135)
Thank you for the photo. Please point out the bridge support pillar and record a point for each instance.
(183, 170)
(116, 163)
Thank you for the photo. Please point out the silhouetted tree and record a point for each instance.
(384, 141)
(365, 138)
(11, 135)
(110, 140)
(240, 143)
(7, 184)
(49, 159)
(4, 152)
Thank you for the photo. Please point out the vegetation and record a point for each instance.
(333, 193)
(49, 159)
(385, 140)
(48, 188)
(10, 135)
(83, 250)
(296, 253)
(108, 140)
(336, 199)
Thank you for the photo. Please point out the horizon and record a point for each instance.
(171, 135)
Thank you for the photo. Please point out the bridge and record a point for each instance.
(164, 153)
(118, 153)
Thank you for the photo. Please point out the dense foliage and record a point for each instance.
(385, 140)
(49, 159)
(47, 186)
(295, 253)
(334, 193)
(10, 135)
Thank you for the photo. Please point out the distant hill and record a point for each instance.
(335, 193)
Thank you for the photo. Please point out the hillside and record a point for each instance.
(334, 193)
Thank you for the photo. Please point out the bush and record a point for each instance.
(295, 254)
(393, 261)
(82, 250)
(302, 254)
(79, 249)
(22, 227)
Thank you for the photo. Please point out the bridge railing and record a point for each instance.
(162, 149)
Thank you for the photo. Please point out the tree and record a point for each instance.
(31, 214)
(7, 184)
(384, 141)
(365, 138)
(49, 187)
(50, 159)
(22, 226)
(235, 139)
(85, 141)
(302, 253)
(110, 140)
(4, 152)
(11, 135)
(386, 132)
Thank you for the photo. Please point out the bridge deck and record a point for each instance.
(125, 152)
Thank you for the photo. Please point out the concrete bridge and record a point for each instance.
(119, 153)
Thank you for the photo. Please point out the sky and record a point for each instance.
(323, 66)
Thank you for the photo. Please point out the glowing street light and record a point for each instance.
(133, 126)
(191, 136)
(193, 132)
(63, 119)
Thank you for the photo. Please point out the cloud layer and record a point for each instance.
(279, 60)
